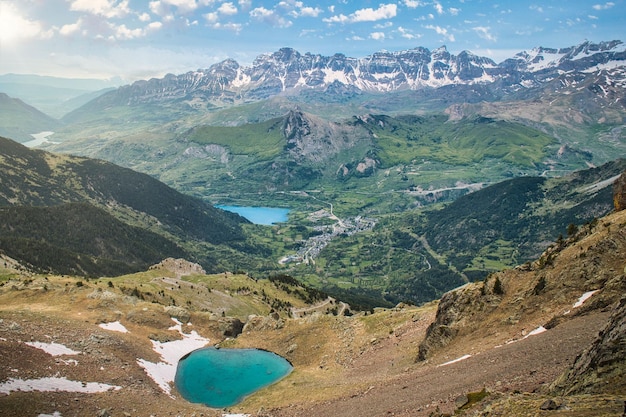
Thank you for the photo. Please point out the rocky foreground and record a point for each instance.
(547, 338)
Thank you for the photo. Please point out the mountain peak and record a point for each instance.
(288, 70)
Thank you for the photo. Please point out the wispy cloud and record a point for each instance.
(407, 33)
(442, 31)
(484, 33)
(271, 17)
(604, 6)
(107, 8)
(413, 4)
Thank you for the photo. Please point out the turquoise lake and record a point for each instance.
(222, 378)
(260, 215)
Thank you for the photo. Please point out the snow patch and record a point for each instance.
(584, 298)
(54, 384)
(538, 330)
(54, 349)
(455, 360)
(114, 326)
(164, 372)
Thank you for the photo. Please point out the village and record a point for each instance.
(312, 246)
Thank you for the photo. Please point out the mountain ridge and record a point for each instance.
(287, 69)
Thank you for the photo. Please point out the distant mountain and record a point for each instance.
(118, 212)
(287, 71)
(53, 95)
(19, 120)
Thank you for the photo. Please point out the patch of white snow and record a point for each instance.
(584, 298)
(54, 349)
(114, 326)
(164, 372)
(455, 360)
(538, 330)
(54, 384)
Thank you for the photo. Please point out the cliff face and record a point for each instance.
(544, 293)
(619, 193)
(601, 367)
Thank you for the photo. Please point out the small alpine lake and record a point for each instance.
(221, 378)
(259, 215)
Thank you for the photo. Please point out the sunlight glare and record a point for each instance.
(13, 26)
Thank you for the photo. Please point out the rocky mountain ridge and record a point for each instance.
(288, 70)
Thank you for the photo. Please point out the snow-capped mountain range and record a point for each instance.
(287, 70)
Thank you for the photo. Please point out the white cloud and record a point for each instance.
(604, 6)
(184, 6)
(341, 18)
(310, 11)
(121, 32)
(413, 4)
(438, 7)
(407, 34)
(168, 7)
(235, 27)
(442, 31)
(377, 36)
(298, 9)
(71, 28)
(144, 17)
(454, 11)
(484, 32)
(211, 17)
(227, 9)
(270, 17)
(384, 11)
(107, 8)
(154, 26)
(383, 25)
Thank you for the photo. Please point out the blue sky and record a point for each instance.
(135, 39)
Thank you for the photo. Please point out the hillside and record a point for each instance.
(19, 120)
(499, 346)
(419, 254)
(97, 207)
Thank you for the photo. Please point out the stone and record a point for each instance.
(460, 401)
(549, 405)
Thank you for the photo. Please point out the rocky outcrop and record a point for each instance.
(602, 367)
(456, 312)
(619, 193)
(180, 267)
(230, 326)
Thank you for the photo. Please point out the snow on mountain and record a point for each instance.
(288, 70)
